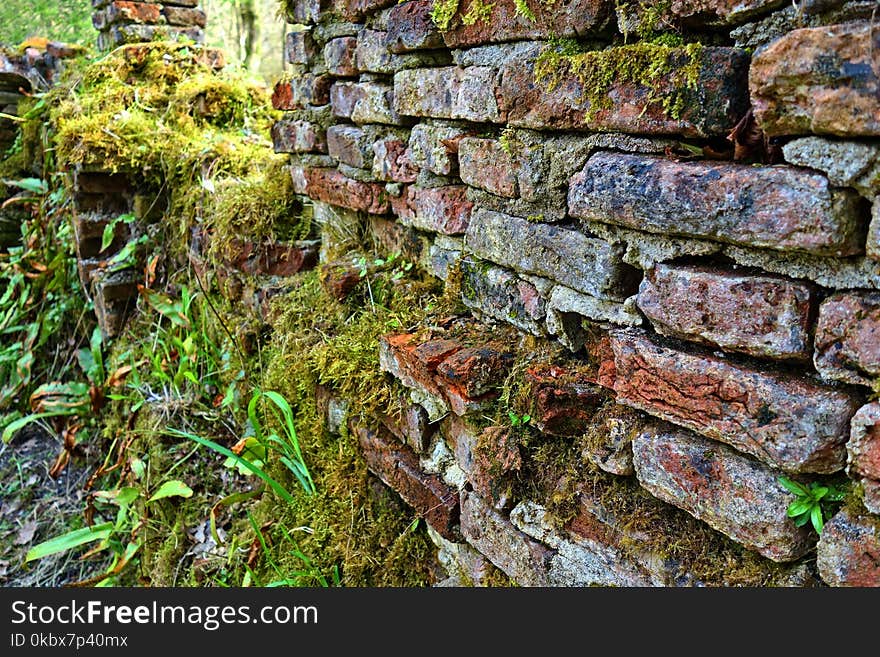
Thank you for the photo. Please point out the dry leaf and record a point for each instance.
(26, 533)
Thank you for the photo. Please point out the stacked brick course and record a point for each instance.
(703, 245)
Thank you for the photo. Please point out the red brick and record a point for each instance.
(786, 421)
(339, 278)
(560, 100)
(822, 80)
(848, 338)
(489, 457)
(412, 363)
(443, 210)
(761, 315)
(398, 466)
(298, 137)
(272, 259)
(133, 12)
(410, 27)
(483, 163)
(301, 92)
(563, 400)
(477, 370)
(391, 161)
(731, 492)
(339, 56)
(505, 22)
(848, 554)
(330, 186)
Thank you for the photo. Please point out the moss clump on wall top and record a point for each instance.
(670, 73)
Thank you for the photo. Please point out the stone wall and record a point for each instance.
(684, 196)
(121, 21)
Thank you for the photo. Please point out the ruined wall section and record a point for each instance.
(683, 195)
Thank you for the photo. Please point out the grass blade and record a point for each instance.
(69, 540)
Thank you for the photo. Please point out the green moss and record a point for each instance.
(479, 12)
(650, 65)
(442, 13)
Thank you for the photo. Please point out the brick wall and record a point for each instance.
(693, 219)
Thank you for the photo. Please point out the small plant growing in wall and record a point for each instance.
(813, 502)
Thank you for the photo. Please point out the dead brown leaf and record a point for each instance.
(26, 532)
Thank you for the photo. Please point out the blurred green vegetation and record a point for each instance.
(57, 20)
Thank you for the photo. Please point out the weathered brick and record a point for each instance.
(564, 255)
(343, 98)
(410, 27)
(567, 310)
(297, 136)
(524, 560)
(848, 553)
(501, 294)
(330, 186)
(444, 210)
(733, 493)
(555, 94)
(398, 466)
(376, 105)
(184, 16)
(589, 551)
(788, 422)
(119, 11)
(507, 20)
(761, 315)
(391, 161)
(300, 47)
(301, 92)
(272, 259)
(435, 147)
(863, 453)
(350, 145)
(483, 163)
(772, 207)
(562, 401)
(823, 80)
(414, 364)
(448, 93)
(477, 370)
(373, 55)
(848, 338)
(339, 56)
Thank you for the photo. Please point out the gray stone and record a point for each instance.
(465, 566)
(770, 207)
(846, 163)
(494, 56)
(567, 256)
(863, 453)
(759, 33)
(500, 294)
(523, 559)
(434, 146)
(376, 105)
(448, 93)
(873, 247)
(731, 492)
(373, 56)
(565, 300)
(585, 562)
